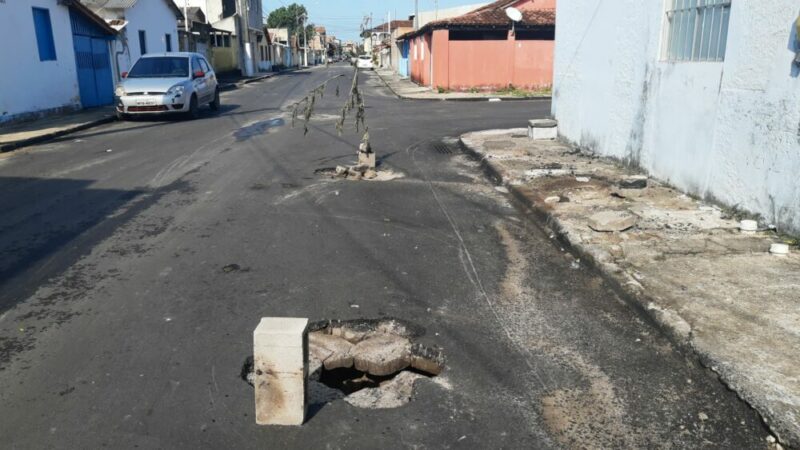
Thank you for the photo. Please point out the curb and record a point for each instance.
(50, 136)
(224, 87)
(465, 99)
(640, 302)
(549, 222)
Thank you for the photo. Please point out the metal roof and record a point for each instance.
(111, 4)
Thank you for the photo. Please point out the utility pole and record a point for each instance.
(186, 25)
(305, 41)
(416, 15)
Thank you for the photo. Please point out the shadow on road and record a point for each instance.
(45, 227)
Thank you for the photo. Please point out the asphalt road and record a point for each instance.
(120, 328)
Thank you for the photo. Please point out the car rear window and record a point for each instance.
(160, 67)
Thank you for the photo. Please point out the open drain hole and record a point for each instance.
(368, 363)
(349, 380)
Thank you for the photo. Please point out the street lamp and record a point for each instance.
(301, 19)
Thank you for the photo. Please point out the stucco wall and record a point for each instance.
(724, 130)
(490, 64)
(421, 64)
(157, 20)
(26, 84)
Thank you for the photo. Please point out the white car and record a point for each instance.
(167, 83)
(364, 62)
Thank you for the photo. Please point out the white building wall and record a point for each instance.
(33, 85)
(728, 131)
(157, 20)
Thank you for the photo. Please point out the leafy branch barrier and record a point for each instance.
(355, 102)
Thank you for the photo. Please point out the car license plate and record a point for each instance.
(146, 102)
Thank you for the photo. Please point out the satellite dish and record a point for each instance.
(514, 14)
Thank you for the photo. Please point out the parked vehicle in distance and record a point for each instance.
(365, 62)
(167, 83)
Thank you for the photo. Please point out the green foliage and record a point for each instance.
(287, 17)
(354, 102)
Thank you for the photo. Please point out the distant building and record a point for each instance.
(243, 20)
(484, 49)
(383, 41)
(283, 52)
(144, 26)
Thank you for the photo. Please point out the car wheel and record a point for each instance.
(121, 116)
(194, 109)
(215, 104)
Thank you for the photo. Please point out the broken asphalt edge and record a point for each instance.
(15, 145)
(668, 323)
(466, 99)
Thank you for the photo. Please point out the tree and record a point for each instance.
(288, 17)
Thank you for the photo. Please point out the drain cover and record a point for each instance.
(444, 149)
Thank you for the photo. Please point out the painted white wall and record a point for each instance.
(27, 84)
(723, 130)
(157, 20)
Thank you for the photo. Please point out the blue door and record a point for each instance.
(92, 61)
(103, 80)
(402, 65)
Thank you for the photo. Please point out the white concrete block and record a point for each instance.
(542, 129)
(280, 358)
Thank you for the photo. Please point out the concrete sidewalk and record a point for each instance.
(685, 264)
(44, 129)
(406, 89)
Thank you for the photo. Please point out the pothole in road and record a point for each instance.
(358, 173)
(368, 363)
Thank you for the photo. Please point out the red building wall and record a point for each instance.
(484, 64)
(533, 66)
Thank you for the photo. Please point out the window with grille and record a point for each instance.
(697, 30)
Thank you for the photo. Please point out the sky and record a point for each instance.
(343, 18)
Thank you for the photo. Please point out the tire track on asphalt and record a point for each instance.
(469, 266)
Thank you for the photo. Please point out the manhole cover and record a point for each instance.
(368, 363)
